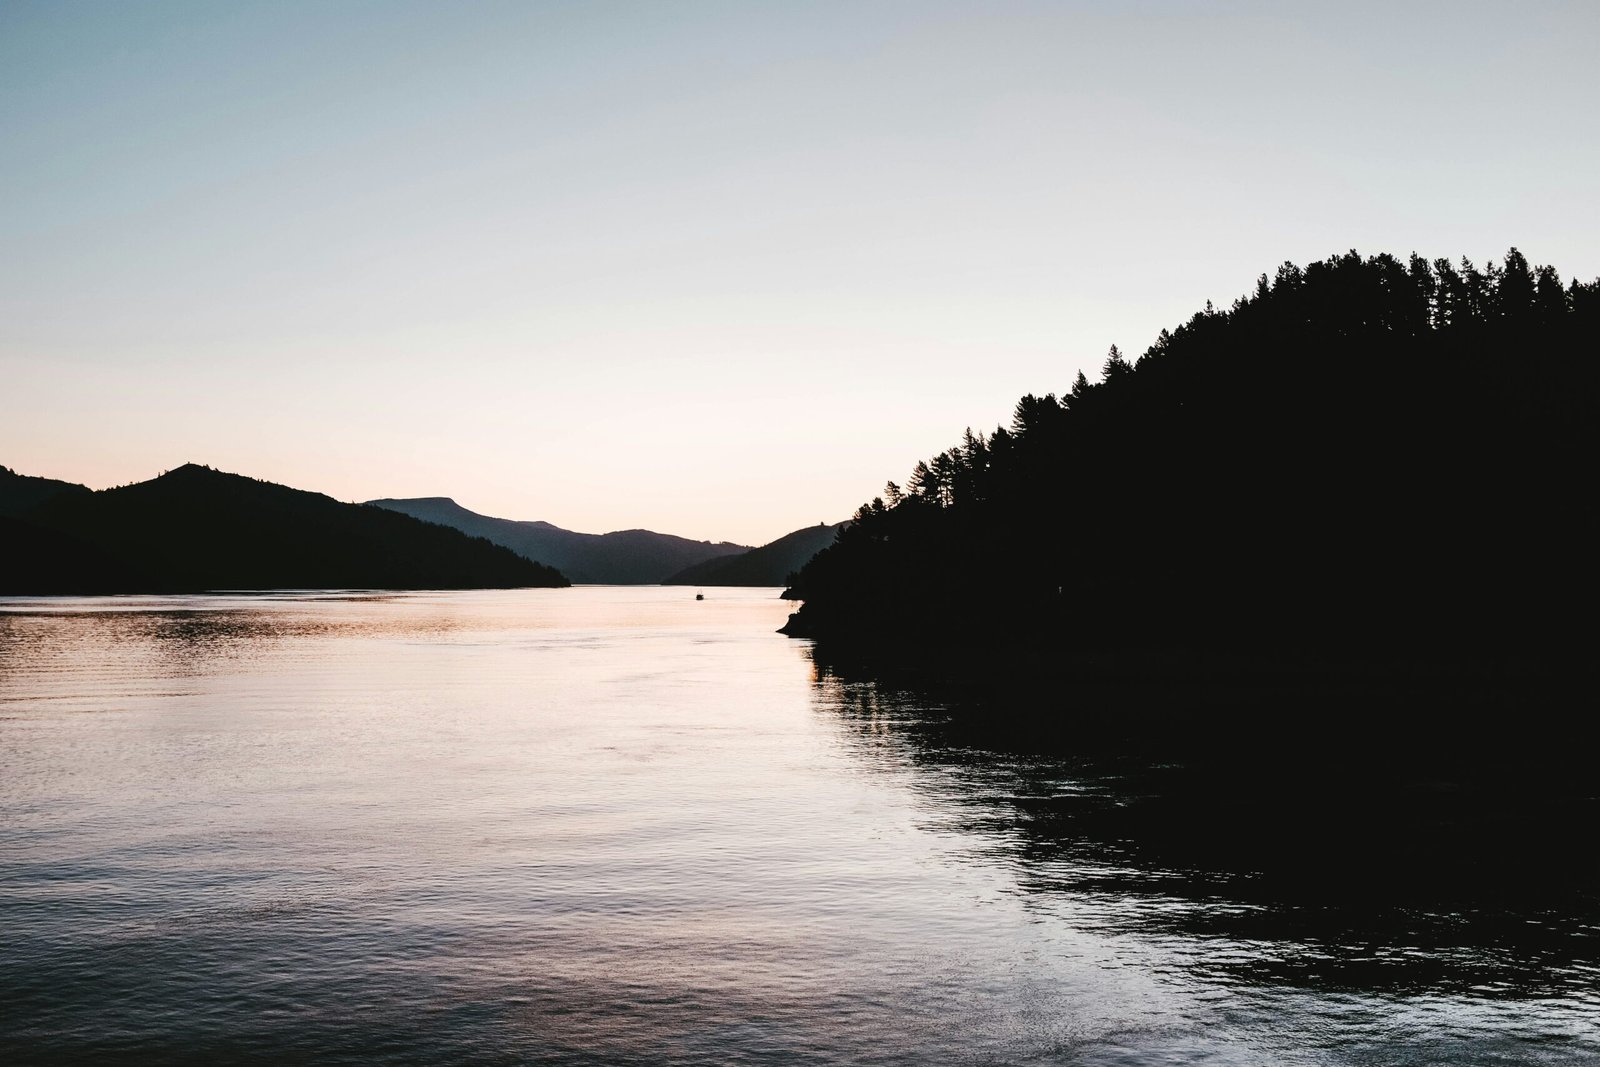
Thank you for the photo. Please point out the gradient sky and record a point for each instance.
(715, 269)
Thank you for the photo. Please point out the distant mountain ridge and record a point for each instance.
(194, 529)
(623, 557)
(773, 563)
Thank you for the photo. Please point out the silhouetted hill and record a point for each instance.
(625, 557)
(195, 529)
(19, 492)
(774, 563)
(1365, 460)
(40, 562)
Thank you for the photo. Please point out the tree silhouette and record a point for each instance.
(1371, 455)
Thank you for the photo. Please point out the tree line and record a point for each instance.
(1368, 454)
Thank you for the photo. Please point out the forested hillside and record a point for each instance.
(196, 529)
(19, 492)
(773, 563)
(1364, 456)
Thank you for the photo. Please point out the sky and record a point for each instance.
(713, 269)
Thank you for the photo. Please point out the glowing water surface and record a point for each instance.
(618, 825)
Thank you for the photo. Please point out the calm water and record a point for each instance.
(618, 825)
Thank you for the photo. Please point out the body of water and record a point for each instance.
(618, 825)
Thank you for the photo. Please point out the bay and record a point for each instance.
(616, 824)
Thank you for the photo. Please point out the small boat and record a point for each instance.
(699, 596)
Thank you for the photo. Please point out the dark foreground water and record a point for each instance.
(618, 825)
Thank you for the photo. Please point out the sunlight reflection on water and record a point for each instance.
(619, 825)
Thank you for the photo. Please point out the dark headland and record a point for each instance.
(195, 529)
(1313, 577)
(1369, 462)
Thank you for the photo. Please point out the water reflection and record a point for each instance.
(618, 825)
(1335, 868)
(194, 637)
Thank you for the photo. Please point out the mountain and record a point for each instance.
(35, 561)
(196, 529)
(625, 557)
(19, 492)
(1368, 460)
(774, 563)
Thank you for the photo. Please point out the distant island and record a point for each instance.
(195, 529)
(1365, 460)
(623, 557)
(772, 564)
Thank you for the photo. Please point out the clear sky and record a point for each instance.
(715, 269)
